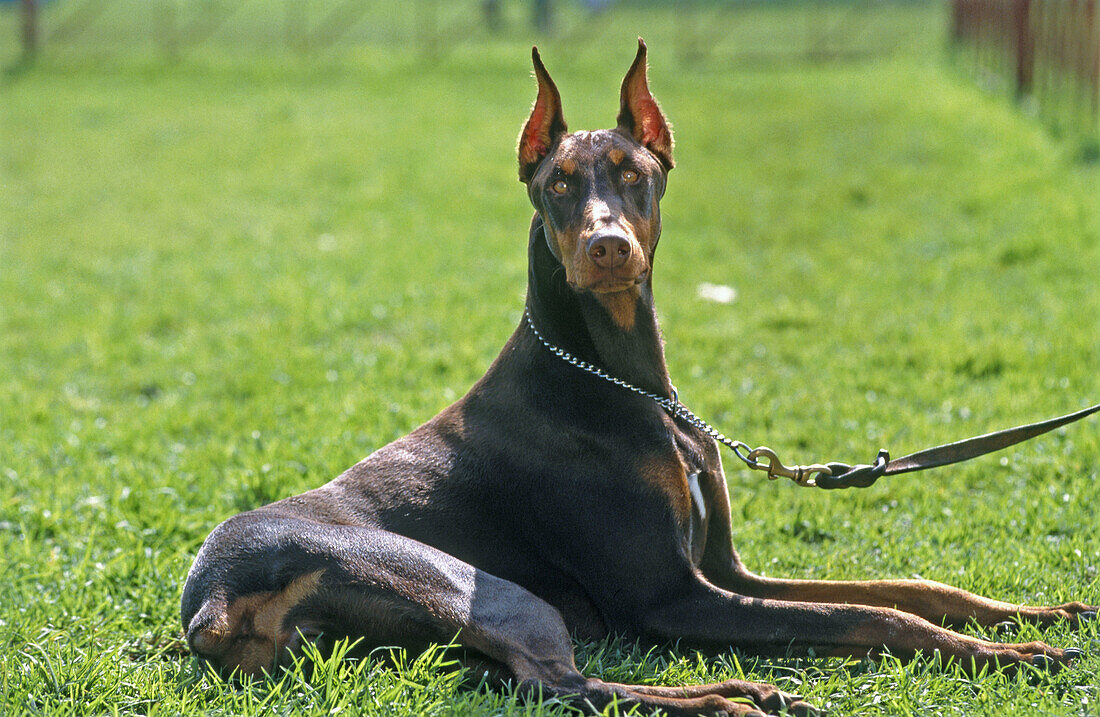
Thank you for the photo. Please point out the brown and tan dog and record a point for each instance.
(548, 501)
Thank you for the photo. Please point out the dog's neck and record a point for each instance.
(583, 324)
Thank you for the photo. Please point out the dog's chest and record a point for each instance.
(691, 457)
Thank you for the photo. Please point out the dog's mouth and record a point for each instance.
(610, 283)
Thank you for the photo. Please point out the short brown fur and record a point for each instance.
(621, 306)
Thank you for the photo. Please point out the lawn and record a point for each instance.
(227, 273)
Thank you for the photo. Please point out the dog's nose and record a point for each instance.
(609, 251)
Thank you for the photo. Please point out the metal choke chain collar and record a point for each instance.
(802, 475)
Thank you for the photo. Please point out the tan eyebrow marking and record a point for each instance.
(616, 156)
(569, 166)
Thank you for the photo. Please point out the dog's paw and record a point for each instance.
(790, 705)
(1043, 656)
(1075, 613)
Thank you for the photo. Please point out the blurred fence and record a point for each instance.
(1046, 51)
(743, 30)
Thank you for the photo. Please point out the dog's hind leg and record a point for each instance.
(263, 581)
(263, 578)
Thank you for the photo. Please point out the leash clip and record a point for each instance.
(842, 475)
(802, 475)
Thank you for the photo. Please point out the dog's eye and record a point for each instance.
(630, 176)
(560, 186)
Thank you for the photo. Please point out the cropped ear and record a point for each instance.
(545, 125)
(639, 115)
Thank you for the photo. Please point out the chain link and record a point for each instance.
(802, 475)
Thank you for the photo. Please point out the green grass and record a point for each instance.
(226, 278)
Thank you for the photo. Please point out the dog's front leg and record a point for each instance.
(933, 601)
(705, 615)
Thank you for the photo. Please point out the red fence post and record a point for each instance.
(1025, 47)
(1092, 53)
(957, 21)
(30, 28)
(1046, 49)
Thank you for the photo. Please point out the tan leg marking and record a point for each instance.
(268, 618)
(666, 472)
(255, 626)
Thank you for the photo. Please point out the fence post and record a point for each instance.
(957, 21)
(1025, 47)
(30, 28)
(1092, 52)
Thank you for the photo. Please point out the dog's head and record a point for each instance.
(598, 192)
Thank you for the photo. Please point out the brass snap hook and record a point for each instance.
(802, 475)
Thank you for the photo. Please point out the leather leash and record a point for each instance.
(860, 476)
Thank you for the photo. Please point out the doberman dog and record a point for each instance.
(548, 502)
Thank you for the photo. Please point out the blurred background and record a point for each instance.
(1044, 52)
